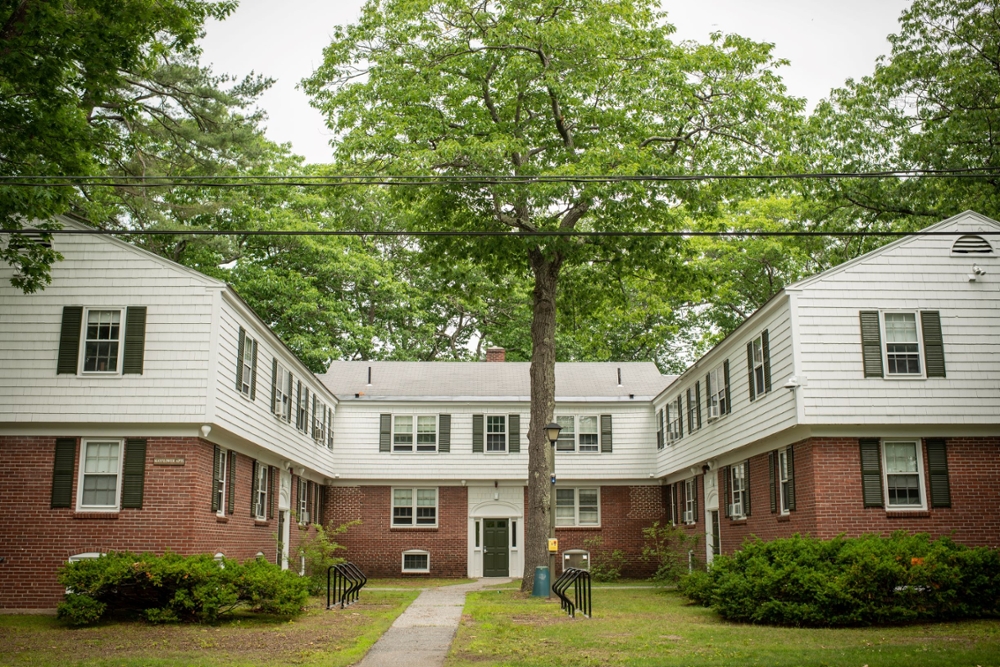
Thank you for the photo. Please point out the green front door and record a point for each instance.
(495, 548)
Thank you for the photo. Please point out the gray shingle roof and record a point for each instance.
(444, 380)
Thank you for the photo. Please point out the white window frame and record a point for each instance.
(738, 492)
(302, 410)
(563, 441)
(578, 446)
(693, 409)
(690, 499)
(319, 427)
(673, 422)
(118, 476)
(886, 343)
(717, 399)
(415, 447)
(921, 480)
(783, 480)
(263, 487)
(576, 507)
(303, 495)
(221, 480)
(757, 345)
(249, 343)
(282, 408)
(415, 552)
(414, 506)
(121, 341)
(487, 433)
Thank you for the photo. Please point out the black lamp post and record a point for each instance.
(552, 433)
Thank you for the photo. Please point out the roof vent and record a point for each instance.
(970, 244)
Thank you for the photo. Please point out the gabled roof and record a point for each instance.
(453, 380)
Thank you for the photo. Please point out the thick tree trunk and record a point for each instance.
(543, 401)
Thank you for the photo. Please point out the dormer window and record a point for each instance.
(971, 244)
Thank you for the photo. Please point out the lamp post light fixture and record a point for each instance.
(552, 433)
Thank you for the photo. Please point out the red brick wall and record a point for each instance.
(829, 501)
(176, 516)
(376, 547)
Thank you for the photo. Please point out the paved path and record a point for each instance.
(422, 635)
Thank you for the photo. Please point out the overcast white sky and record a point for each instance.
(827, 41)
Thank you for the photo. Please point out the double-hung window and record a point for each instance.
(414, 433)
(319, 421)
(674, 421)
(578, 507)
(414, 508)
(578, 434)
(757, 369)
(716, 390)
(303, 493)
(219, 485)
(496, 433)
(690, 501)
(102, 341)
(282, 407)
(738, 490)
(902, 344)
(101, 463)
(261, 489)
(903, 474)
(784, 481)
(694, 408)
(302, 409)
(247, 366)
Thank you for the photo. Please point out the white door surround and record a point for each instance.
(496, 502)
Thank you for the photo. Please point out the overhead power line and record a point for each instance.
(354, 180)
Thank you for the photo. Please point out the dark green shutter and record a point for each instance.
(322, 506)
(930, 324)
(680, 417)
(274, 385)
(937, 467)
(514, 433)
(753, 391)
(270, 492)
(746, 488)
(291, 408)
(253, 489)
(871, 472)
(62, 472)
(708, 395)
(697, 401)
(215, 478)
(253, 373)
(790, 464)
(240, 348)
(69, 342)
(729, 395)
(230, 503)
(659, 429)
(315, 408)
(694, 503)
(477, 433)
(772, 488)
(725, 490)
(135, 340)
(134, 473)
(871, 344)
(765, 343)
(385, 433)
(606, 434)
(298, 405)
(444, 433)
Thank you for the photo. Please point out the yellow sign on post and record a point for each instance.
(553, 545)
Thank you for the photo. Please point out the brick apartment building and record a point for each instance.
(144, 406)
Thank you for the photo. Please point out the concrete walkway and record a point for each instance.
(422, 635)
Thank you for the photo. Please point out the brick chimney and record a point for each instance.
(496, 354)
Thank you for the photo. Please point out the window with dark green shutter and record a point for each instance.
(514, 433)
(385, 433)
(729, 394)
(871, 472)
(937, 469)
(606, 443)
(134, 473)
(62, 472)
(218, 472)
(69, 341)
(135, 340)
(477, 433)
(444, 433)
(772, 485)
(930, 325)
(871, 344)
(231, 491)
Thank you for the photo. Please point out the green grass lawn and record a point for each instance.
(647, 627)
(414, 582)
(317, 637)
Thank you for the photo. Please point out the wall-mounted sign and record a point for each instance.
(168, 461)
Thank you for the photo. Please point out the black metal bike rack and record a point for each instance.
(580, 581)
(343, 584)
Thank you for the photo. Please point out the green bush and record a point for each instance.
(320, 553)
(869, 580)
(172, 588)
(671, 549)
(605, 564)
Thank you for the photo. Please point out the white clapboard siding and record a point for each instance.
(253, 421)
(100, 272)
(916, 274)
(358, 457)
(749, 421)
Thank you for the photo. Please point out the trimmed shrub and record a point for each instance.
(173, 588)
(606, 565)
(869, 580)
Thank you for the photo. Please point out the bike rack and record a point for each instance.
(580, 580)
(343, 584)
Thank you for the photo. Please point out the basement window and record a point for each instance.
(416, 561)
